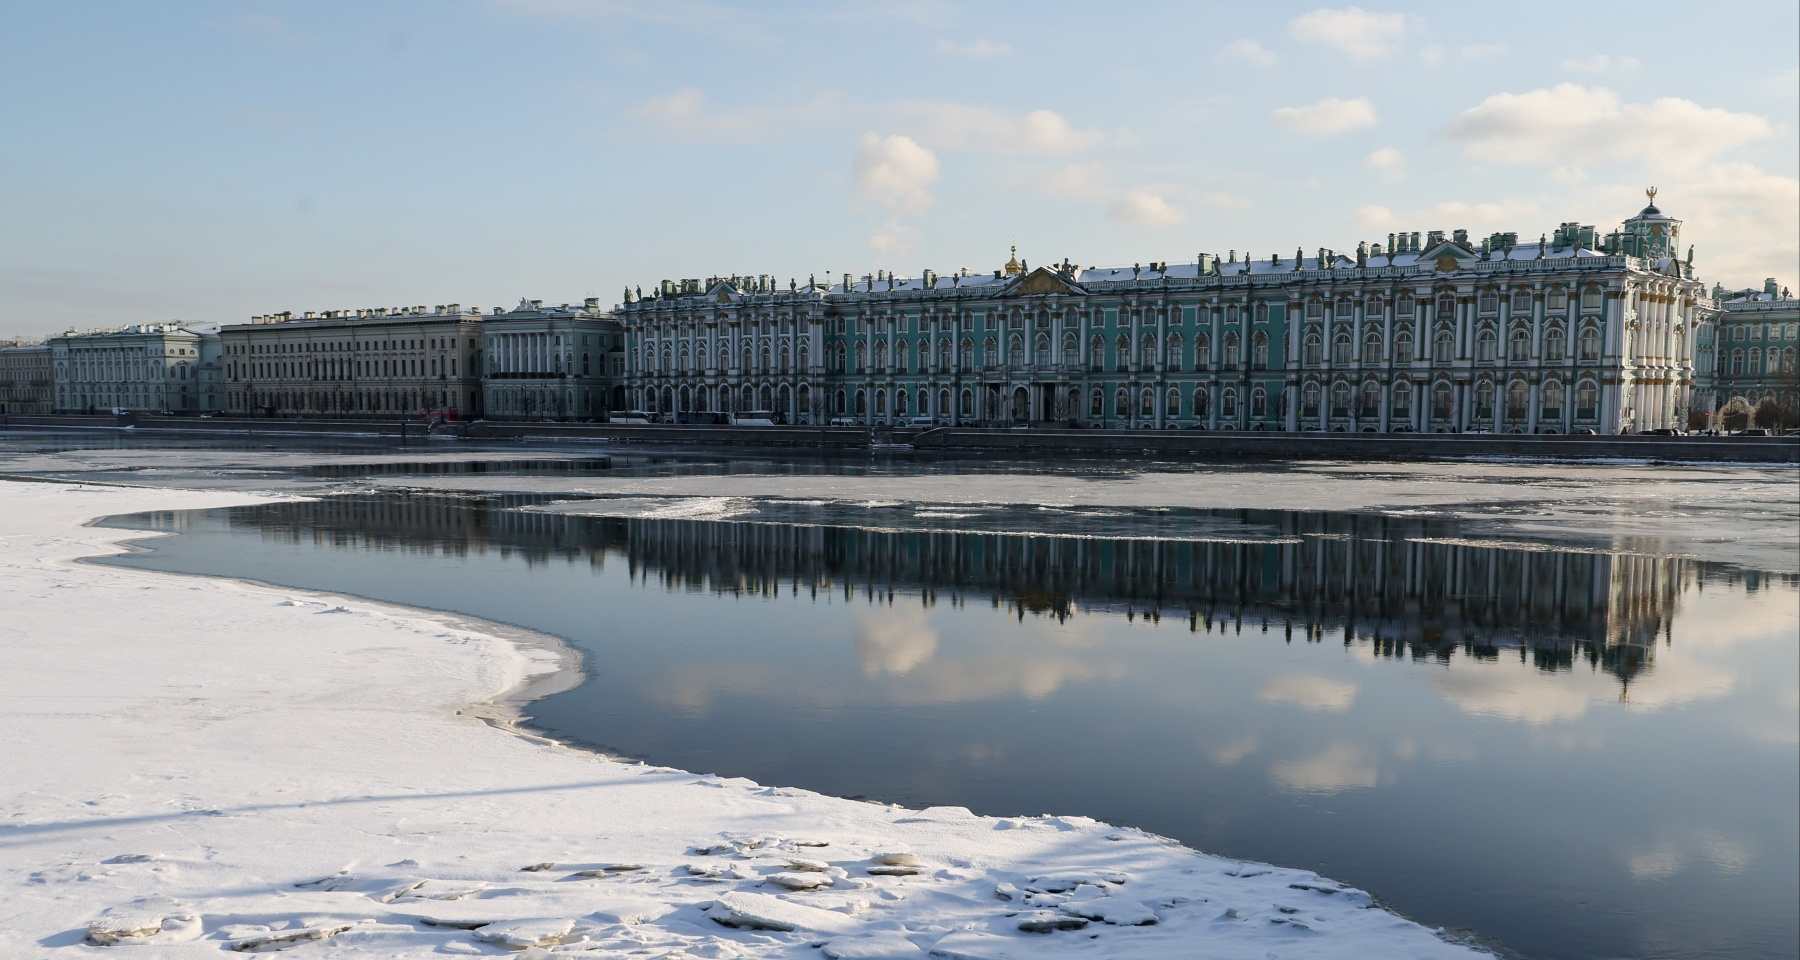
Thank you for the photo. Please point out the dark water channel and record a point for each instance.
(1584, 754)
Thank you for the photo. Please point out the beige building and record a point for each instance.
(381, 362)
(552, 363)
(25, 379)
(145, 368)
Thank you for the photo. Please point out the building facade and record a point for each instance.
(382, 362)
(546, 363)
(1749, 357)
(1576, 331)
(146, 368)
(27, 384)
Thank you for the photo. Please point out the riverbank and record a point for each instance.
(209, 765)
(1022, 443)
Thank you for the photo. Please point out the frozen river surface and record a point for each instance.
(1554, 705)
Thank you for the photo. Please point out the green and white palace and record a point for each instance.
(1572, 331)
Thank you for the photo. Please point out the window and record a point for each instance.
(1096, 404)
(1489, 302)
(1315, 309)
(1553, 400)
(1404, 306)
(1519, 348)
(1557, 301)
(1590, 298)
(1590, 343)
(1403, 347)
(1228, 403)
(1442, 400)
(1262, 311)
(1172, 404)
(1371, 399)
(1517, 399)
(1200, 403)
(1340, 399)
(1309, 400)
(1175, 352)
(1371, 353)
(1259, 352)
(1314, 350)
(1373, 307)
(1231, 352)
(1446, 306)
(1555, 346)
(1484, 401)
(1096, 354)
(1443, 348)
(1486, 343)
(1340, 348)
(1146, 404)
(1121, 403)
(1122, 353)
(1402, 400)
(1587, 400)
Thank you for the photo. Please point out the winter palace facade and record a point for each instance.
(1576, 330)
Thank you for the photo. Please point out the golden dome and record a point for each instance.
(1013, 266)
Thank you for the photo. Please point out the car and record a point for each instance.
(1661, 432)
(844, 422)
(921, 423)
(1753, 432)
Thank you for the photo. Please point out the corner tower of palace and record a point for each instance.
(1442, 332)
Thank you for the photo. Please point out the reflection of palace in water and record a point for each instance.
(1405, 586)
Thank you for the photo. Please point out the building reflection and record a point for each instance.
(1407, 588)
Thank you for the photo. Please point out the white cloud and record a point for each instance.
(974, 49)
(1249, 51)
(1386, 158)
(1313, 693)
(683, 115)
(1601, 63)
(1144, 207)
(895, 171)
(1078, 181)
(1225, 201)
(1572, 123)
(1353, 31)
(894, 642)
(960, 125)
(1328, 116)
(1432, 55)
(1482, 51)
(1453, 214)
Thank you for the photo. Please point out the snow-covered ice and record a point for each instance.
(205, 766)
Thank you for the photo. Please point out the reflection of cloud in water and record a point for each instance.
(1226, 754)
(1703, 847)
(1313, 693)
(894, 641)
(1342, 766)
(1517, 693)
(958, 680)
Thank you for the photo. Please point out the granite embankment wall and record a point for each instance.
(1002, 442)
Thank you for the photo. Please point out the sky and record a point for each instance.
(208, 161)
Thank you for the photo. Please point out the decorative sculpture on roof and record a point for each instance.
(1013, 266)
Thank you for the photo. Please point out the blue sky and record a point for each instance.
(209, 161)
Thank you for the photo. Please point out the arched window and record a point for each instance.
(1121, 403)
(1231, 352)
(1147, 352)
(1443, 347)
(862, 403)
(966, 355)
(1314, 350)
(1259, 351)
(1553, 400)
(1122, 353)
(1315, 309)
(1371, 399)
(1486, 344)
(1199, 403)
(1371, 354)
(1175, 352)
(1402, 400)
(1340, 348)
(1202, 351)
(1587, 400)
(901, 403)
(967, 404)
(1488, 302)
(1556, 345)
(1590, 298)
(1340, 399)
(1590, 343)
(1228, 403)
(1096, 404)
(881, 403)
(1442, 401)
(1259, 401)
(1755, 368)
(1518, 349)
(1403, 346)
(1015, 350)
(1403, 307)
(1518, 398)
(1172, 404)
(1146, 404)
(1097, 354)
(1070, 347)
(1309, 400)
(1446, 306)
(990, 353)
(1262, 311)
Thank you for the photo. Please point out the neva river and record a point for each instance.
(1557, 706)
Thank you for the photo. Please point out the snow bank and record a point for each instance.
(210, 766)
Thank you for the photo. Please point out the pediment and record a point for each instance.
(723, 292)
(1448, 255)
(1043, 281)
